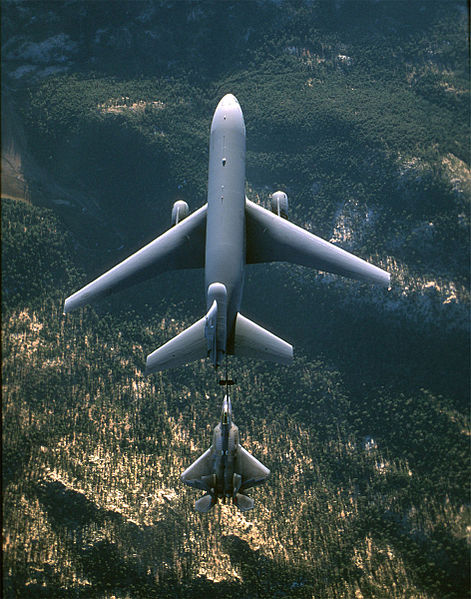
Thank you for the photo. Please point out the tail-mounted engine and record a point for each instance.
(279, 204)
(180, 211)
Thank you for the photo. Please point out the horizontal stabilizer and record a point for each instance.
(243, 502)
(253, 341)
(274, 239)
(186, 347)
(204, 504)
(180, 247)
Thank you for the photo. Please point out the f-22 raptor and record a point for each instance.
(226, 469)
(222, 237)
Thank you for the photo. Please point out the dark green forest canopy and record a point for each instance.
(360, 111)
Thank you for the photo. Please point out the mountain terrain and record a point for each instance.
(360, 112)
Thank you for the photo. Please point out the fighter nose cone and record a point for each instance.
(226, 404)
(226, 409)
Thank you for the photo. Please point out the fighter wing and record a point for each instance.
(199, 473)
(274, 239)
(252, 471)
(182, 246)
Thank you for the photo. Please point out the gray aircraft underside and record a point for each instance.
(226, 470)
(222, 237)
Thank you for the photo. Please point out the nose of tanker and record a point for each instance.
(228, 114)
(228, 100)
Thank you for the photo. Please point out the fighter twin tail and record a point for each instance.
(222, 237)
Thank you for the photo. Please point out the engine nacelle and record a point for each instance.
(180, 211)
(279, 204)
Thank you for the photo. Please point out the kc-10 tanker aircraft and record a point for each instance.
(222, 237)
(226, 469)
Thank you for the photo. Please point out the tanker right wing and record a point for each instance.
(274, 239)
(182, 246)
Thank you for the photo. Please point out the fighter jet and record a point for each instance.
(226, 469)
(222, 237)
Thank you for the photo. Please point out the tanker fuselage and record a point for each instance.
(225, 226)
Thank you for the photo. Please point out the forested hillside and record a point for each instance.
(360, 112)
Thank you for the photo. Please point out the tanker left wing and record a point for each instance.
(182, 246)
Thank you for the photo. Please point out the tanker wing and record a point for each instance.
(274, 239)
(182, 246)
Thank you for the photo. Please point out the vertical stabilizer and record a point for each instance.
(215, 330)
(204, 504)
(243, 502)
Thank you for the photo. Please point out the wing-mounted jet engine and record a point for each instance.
(225, 470)
(279, 204)
(180, 211)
